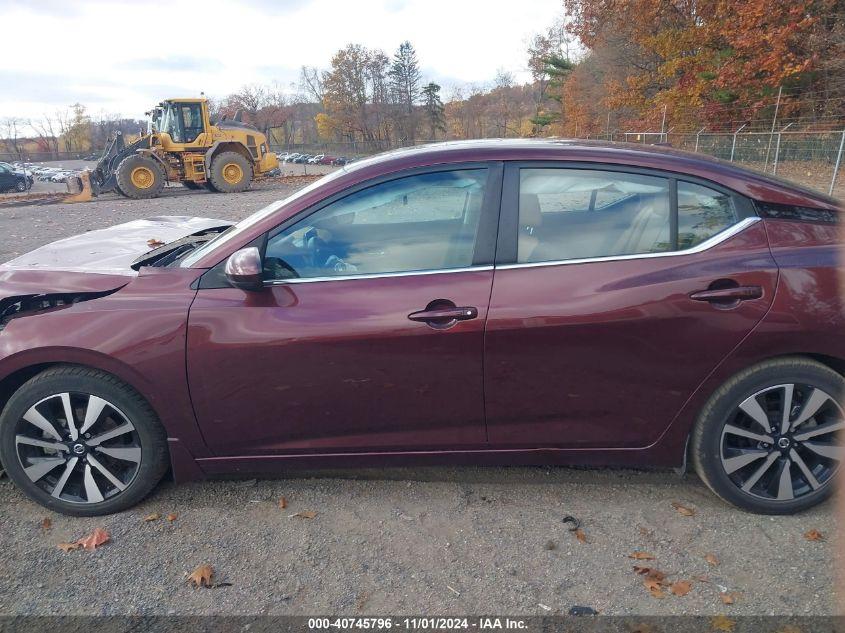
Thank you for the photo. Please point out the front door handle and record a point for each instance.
(722, 295)
(441, 314)
(445, 314)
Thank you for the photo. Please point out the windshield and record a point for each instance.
(167, 123)
(232, 232)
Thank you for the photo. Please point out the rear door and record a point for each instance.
(616, 293)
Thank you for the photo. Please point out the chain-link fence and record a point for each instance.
(813, 159)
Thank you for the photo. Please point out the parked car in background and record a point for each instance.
(327, 160)
(340, 160)
(292, 157)
(12, 179)
(314, 160)
(513, 302)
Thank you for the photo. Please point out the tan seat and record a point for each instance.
(530, 220)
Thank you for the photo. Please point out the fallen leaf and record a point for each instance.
(641, 556)
(171, 517)
(579, 534)
(814, 535)
(650, 573)
(47, 523)
(655, 588)
(711, 559)
(283, 503)
(701, 578)
(722, 623)
(155, 516)
(201, 576)
(154, 243)
(682, 509)
(305, 514)
(68, 547)
(681, 588)
(95, 539)
(550, 545)
(727, 598)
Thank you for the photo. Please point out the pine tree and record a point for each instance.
(405, 83)
(433, 108)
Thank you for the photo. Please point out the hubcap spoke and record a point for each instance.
(92, 412)
(92, 490)
(106, 473)
(831, 451)
(823, 429)
(749, 484)
(36, 419)
(121, 430)
(753, 409)
(42, 466)
(785, 491)
(811, 407)
(802, 466)
(788, 391)
(71, 423)
(31, 441)
(60, 484)
(733, 464)
(130, 454)
(737, 430)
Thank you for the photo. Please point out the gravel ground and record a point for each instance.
(431, 541)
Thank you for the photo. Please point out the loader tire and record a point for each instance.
(140, 177)
(230, 173)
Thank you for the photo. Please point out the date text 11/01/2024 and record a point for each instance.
(421, 623)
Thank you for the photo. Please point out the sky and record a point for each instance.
(122, 57)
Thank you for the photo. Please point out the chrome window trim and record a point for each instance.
(408, 273)
(699, 248)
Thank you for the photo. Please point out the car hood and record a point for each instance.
(110, 251)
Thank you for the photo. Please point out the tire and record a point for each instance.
(190, 184)
(210, 187)
(146, 441)
(230, 173)
(20, 186)
(730, 447)
(140, 177)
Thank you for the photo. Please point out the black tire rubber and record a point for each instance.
(20, 186)
(124, 181)
(210, 187)
(190, 184)
(216, 176)
(154, 461)
(705, 444)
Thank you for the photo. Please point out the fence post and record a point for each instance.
(777, 149)
(697, 134)
(838, 163)
(733, 145)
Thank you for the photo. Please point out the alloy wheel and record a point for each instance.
(78, 448)
(783, 442)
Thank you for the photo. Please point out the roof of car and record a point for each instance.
(753, 184)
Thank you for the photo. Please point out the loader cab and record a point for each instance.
(183, 120)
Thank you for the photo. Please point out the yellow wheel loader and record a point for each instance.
(182, 145)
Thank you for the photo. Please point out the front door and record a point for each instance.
(617, 295)
(369, 333)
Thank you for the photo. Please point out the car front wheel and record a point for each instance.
(770, 439)
(81, 442)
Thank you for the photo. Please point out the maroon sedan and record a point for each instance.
(502, 302)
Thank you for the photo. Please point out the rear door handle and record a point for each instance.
(442, 315)
(728, 295)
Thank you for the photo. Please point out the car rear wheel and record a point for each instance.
(81, 442)
(770, 439)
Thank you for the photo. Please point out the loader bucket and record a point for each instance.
(79, 187)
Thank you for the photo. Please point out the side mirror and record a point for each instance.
(244, 270)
